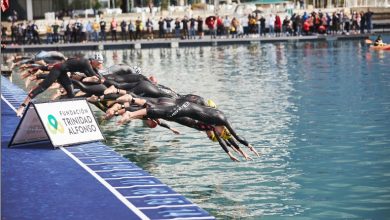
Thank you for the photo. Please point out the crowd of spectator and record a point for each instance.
(73, 31)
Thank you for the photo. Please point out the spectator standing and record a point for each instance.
(161, 30)
(49, 34)
(14, 32)
(79, 29)
(362, 22)
(262, 26)
(368, 16)
(271, 25)
(177, 28)
(96, 29)
(168, 22)
(131, 29)
(220, 27)
(149, 28)
(226, 25)
(123, 30)
(113, 27)
(211, 26)
(233, 27)
(286, 26)
(55, 28)
(200, 27)
(3, 33)
(89, 31)
(192, 27)
(278, 25)
(102, 30)
(84, 33)
(138, 28)
(335, 23)
(184, 21)
(21, 33)
(35, 33)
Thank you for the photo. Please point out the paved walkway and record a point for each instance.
(172, 43)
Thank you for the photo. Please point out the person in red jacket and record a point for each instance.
(278, 25)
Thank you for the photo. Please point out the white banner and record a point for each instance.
(69, 122)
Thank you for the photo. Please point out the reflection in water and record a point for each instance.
(318, 113)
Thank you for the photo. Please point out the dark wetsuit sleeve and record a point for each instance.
(164, 124)
(80, 65)
(223, 145)
(55, 74)
(93, 89)
(41, 76)
(120, 85)
(232, 143)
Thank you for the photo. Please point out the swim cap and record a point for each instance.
(98, 57)
(225, 134)
(211, 103)
(213, 137)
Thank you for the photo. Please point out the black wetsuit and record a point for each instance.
(50, 56)
(189, 114)
(47, 56)
(59, 73)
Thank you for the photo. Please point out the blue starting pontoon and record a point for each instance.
(89, 181)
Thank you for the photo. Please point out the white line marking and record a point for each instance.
(154, 195)
(107, 185)
(94, 157)
(9, 104)
(101, 180)
(128, 177)
(167, 206)
(133, 186)
(105, 163)
(89, 152)
(131, 169)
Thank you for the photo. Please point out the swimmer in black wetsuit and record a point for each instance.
(41, 58)
(179, 109)
(129, 78)
(59, 73)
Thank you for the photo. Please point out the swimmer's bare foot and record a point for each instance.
(54, 86)
(111, 111)
(94, 79)
(110, 90)
(126, 118)
(125, 98)
(80, 93)
(93, 98)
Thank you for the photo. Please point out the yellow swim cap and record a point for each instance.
(211, 103)
(225, 134)
(213, 137)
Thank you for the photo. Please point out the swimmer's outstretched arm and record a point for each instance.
(128, 116)
(241, 140)
(112, 89)
(224, 147)
(231, 143)
(131, 99)
(165, 125)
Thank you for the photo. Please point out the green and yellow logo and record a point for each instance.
(54, 126)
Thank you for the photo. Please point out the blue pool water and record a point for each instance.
(319, 112)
